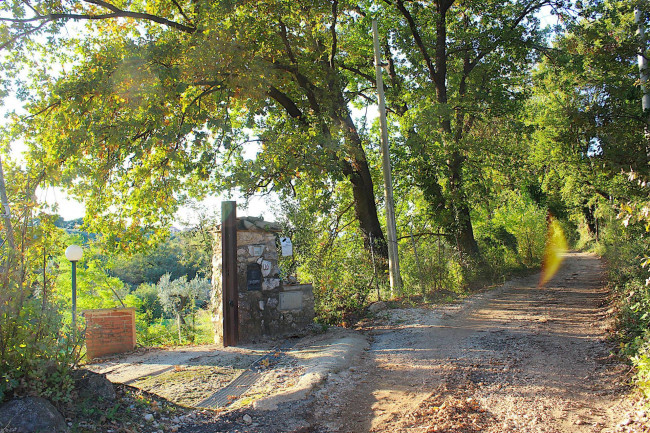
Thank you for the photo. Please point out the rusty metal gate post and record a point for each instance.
(230, 294)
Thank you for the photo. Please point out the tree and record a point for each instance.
(455, 68)
(167, 99)
(179, 296)
(174, 256)
(587, 114)
(33, 335)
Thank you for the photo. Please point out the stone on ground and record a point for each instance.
(91, 385)
(32, 415)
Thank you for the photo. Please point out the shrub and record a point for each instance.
(36, 352)
(180, 297)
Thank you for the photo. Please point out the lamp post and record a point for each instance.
(74, 254)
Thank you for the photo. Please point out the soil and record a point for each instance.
(515, 358)
(188, 386)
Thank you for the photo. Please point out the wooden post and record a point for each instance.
(230, 293)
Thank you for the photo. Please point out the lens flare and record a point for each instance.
(556, 247)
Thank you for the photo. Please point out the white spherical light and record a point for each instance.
(74, 253)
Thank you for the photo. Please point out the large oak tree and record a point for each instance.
(159, 100)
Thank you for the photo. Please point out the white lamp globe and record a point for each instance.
(74, 253)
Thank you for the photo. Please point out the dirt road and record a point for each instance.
(515, 359)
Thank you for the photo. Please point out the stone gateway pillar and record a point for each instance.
(268, 306)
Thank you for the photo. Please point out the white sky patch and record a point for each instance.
(257, 206)
(67, 207)
(547, 18)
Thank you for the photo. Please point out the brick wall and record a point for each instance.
(109, 331)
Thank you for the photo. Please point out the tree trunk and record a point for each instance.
(644, 74)
(178, 322)
(588, 211)
(365, 209)
(440, 77)
(462, 218)
(462, 225)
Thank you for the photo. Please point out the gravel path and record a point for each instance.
(514, 359)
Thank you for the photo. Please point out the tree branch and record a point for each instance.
(335, 5)
(358, 72)
(419, 235)
(303, 82)
(531, 7)
(417, 38)
(285, 40)
(115, 13)
(181, 11)
(6, 210)
(287, 103)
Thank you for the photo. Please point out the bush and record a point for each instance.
(160, 332)
(150, 307)
(36, 351)
(437, 266)
(625, 243)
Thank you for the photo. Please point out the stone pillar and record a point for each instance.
(217, 289)
(267, 306)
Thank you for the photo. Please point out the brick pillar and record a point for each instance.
(109, 331)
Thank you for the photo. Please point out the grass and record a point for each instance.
(187, 386)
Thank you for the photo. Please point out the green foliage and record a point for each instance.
(512, 233)
(185, 253)
(178, 102)
(36, 352)
(160, 332)
(181, 298)
(164, 332)
(95, 288)
(626, 244)
(641, 361)
(150, 307)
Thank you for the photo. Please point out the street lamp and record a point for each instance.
(74, 254)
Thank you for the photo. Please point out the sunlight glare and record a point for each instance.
(556, 247)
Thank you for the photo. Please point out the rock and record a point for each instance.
(31, 415)
(377, 307)
(91, 385)
(247, 419)
(270, 283)
(272, 302)
(268, 226)
(148, 417)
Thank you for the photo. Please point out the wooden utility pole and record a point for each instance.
(644, 73)
(393, 257)
(230, 293)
